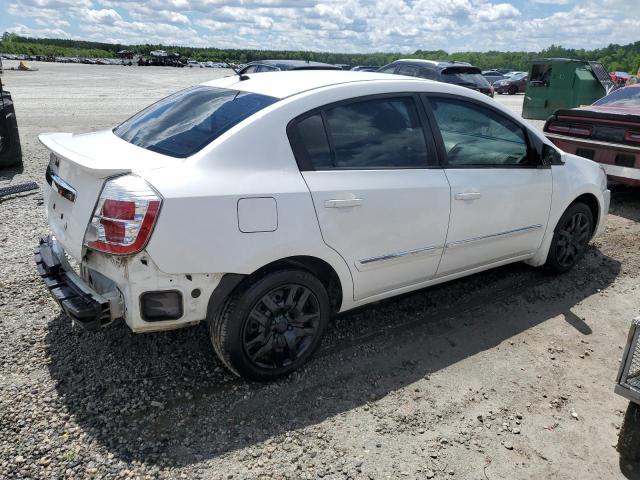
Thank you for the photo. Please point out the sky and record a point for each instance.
(332, 25)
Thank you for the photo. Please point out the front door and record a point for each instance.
(500, 193)
(381, 200)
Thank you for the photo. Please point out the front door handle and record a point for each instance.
(468, 196)
(343, 203)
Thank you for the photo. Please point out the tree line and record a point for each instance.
(614, 57)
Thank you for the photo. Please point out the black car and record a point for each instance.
(458, 73)
(10, 151)
(277, 65)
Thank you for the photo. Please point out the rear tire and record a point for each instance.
(570, 238)
(513, 90)
(271, 325)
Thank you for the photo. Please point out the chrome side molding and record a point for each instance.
(508, 233)
(373, 262)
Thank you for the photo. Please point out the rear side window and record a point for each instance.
(184, 123)
(311, 137)
(370, 134)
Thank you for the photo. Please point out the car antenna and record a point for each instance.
(242, 77)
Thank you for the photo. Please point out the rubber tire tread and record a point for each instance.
(219, 327)
(551, 264)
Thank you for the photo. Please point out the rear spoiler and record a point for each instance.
(588, 113)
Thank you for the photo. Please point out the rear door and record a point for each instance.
(381, 200)
(500, 191)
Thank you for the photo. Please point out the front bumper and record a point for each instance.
(79, 302)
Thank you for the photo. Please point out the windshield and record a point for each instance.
(623, 97)
(465, 76)
(185, 122)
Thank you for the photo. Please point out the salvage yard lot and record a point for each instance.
(506, 374)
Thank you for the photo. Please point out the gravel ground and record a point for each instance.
(503, 375)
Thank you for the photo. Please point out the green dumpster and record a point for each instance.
(556, 83)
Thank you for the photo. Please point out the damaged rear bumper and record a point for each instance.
(78, 300)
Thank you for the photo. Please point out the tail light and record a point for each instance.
(631, 136)
(124, 217)
(558, 127)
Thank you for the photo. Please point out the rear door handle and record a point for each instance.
(343, 203)
(468, 196)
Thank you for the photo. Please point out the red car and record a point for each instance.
(607, 132)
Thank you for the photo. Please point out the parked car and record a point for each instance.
(194, 63)
(10, 149)
(458, 73)
(620, 78)
(266, 205)
(493, 76)
(514, 84)
(260, 66)
(607, 132)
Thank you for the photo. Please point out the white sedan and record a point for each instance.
(265, 203)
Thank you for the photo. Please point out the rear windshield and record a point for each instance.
(185, 122)
(466, 76)
(624, 97)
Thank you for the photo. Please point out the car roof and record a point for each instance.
(434, 63)
(286, 83)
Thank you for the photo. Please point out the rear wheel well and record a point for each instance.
(592, 202)
(321, 269)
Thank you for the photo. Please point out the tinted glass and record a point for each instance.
(407, 70)
(467, 77)
(428, 73)
(477, 136)
(623, 97)
(184, 123)
(311, 140)
(389, 69)
(378, 133)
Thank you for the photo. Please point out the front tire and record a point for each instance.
(570, 238)
(271, 325)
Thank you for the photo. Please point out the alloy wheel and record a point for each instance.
(281, 326)
(573, 237)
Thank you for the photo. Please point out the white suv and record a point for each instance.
(265, 203)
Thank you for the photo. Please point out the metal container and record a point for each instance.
(628, 381)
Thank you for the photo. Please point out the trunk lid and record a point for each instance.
(77, 171)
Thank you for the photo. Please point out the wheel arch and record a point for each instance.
(591, 201)
(230, 282)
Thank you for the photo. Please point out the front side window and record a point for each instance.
(475, 136)
(185, 122)
(369, 134)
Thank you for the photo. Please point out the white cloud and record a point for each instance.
(333, 25)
